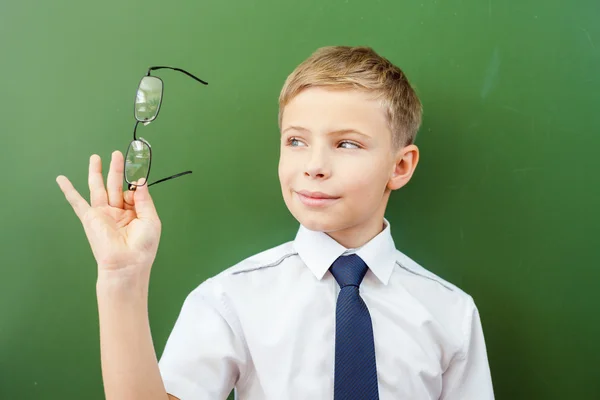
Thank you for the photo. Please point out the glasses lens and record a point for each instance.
(148, 98)
(137, 162)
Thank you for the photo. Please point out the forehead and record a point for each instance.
(319, 109)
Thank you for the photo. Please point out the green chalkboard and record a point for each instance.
(504, 202)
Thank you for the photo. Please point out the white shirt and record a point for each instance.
(267, 327)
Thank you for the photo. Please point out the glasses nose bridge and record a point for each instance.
(135, 129)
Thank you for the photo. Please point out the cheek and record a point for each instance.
(289, 163)
(284, 170)
(366, 182)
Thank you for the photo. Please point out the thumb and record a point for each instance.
(144, 206)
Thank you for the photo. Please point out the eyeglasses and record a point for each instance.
(146, 107)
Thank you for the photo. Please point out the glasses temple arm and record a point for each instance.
(170, 177)
(177, 69)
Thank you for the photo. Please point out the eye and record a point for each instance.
(349, 145)
(295, 142)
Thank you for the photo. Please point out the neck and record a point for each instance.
(358, 235)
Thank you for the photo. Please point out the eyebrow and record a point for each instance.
(336, 132)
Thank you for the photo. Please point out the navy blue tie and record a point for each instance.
(355, 369)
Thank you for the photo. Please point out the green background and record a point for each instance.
(503, 203)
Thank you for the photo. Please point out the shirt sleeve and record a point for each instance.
(468, 375)
(204, 356)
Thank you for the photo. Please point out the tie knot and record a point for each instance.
(349, 270)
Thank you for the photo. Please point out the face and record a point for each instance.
(337, 165)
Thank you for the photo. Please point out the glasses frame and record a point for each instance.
(132, 186)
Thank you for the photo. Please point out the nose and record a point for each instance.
(317, 166)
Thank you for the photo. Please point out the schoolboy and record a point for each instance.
(338, 312)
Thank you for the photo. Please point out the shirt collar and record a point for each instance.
(319, 250)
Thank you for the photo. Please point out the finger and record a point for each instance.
(144, 206)
(128, 203)
(114, 182)
(96, 183)
(80, 206)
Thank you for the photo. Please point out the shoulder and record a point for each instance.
(270, 258)
(264, 265)
(407, 265)
(443, 299)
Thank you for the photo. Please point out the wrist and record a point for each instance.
(129, 279)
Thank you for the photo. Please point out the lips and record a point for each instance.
(316, 199)
(316, 195)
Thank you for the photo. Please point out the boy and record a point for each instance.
(338, 312)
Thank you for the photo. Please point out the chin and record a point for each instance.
(319, 223)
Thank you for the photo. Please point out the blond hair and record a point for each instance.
(361, 68)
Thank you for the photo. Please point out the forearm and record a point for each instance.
(129, 363)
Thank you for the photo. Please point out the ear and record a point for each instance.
(406, 160)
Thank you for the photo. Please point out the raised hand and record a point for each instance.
(123, 228)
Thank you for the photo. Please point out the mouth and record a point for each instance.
(316, 199)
